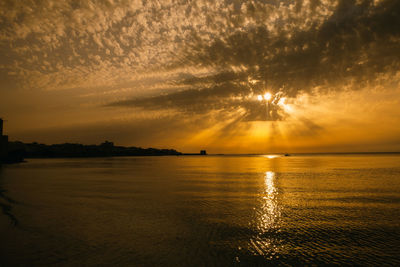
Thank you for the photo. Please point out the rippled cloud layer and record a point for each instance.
(200, 55)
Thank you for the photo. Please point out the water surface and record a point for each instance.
(201, 210)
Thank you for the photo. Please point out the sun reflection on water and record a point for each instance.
(271, 156)
(268, 214)
(269, 207)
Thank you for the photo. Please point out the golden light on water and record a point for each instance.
(270, 204)
(269, 209)
(268, 214)
(259, 97)
(271, 156)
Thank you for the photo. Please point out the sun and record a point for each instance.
(267, 96)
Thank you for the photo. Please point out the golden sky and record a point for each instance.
(194, 75)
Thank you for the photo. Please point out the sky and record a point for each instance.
(229, 76)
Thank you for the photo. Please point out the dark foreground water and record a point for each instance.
(201, 211)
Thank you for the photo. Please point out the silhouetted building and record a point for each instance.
(107, 144)
(3, 142)
(203, 152)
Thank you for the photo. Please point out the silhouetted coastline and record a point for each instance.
(15, 152)
(71, 150)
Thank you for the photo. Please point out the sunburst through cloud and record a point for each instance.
(212, 70)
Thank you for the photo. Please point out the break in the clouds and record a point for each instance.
(199, 56)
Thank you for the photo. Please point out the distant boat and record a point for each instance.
(287, 155)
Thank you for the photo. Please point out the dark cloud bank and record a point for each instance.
(349, 49)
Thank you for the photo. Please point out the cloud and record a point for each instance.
(203, 56)
(286, 49)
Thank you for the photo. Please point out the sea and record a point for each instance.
(214, 210)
